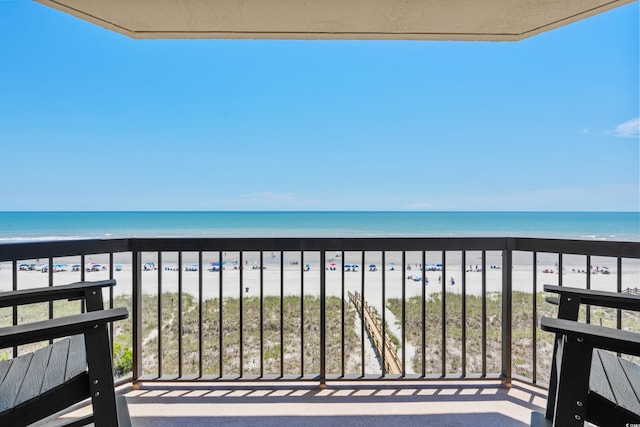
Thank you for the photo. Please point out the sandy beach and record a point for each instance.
(297, 281)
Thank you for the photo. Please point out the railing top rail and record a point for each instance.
(321, 244)
(61, 248)
(578, 247)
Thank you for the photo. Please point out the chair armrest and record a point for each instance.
(596, 336)
(598, 298)
(51, 293)
(552, 300)
(59, 327)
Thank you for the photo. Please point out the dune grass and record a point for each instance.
(298, 360)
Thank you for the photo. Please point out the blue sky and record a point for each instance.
(92, 120)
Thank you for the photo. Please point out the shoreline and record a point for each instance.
(301, 234)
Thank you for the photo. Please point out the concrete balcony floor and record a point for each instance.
(370, 404)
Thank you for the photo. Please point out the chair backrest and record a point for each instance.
(37, 384)
(576, 392)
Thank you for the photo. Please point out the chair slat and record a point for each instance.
(32, 382)
(633, 373)
(13, 380)
(598, 381)
(4, 368)
(77, 360)
(620, 386)
(57, 365)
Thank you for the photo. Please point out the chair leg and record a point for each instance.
(573, 360)
(568, 309)
(101, 377)
(553, 385)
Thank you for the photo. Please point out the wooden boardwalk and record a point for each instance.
(392, 364)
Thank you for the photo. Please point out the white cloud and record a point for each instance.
(628, 129)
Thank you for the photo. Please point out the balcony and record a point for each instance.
(408, 330)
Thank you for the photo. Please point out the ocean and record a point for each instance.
(36, 226)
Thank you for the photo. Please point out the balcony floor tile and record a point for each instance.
(367, 404)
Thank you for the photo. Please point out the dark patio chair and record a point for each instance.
(589, 381)
(36, 385)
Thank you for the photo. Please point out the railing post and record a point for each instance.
(136, 316)
(507, 304)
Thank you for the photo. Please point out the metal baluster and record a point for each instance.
(261, 314)
(301, 313)
(281, 314)
(464, 314)
(404, 314)
(362, 257)
(323, 322)
(200, 301)
(220, 315)
(484, 313)
(534, 323)
(241, 323)
(160, 357)
(384, 332)
(424, 323)
(444, 315)
(180, 328)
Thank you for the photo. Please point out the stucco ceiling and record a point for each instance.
(333, 19)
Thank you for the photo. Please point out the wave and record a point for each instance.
(20, 239)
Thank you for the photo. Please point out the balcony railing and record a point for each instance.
(280, 308)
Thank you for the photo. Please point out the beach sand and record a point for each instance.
(297, 281)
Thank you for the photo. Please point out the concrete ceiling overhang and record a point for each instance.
(493, 20)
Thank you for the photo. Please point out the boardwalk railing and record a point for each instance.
(383, 346)
(278, 308)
